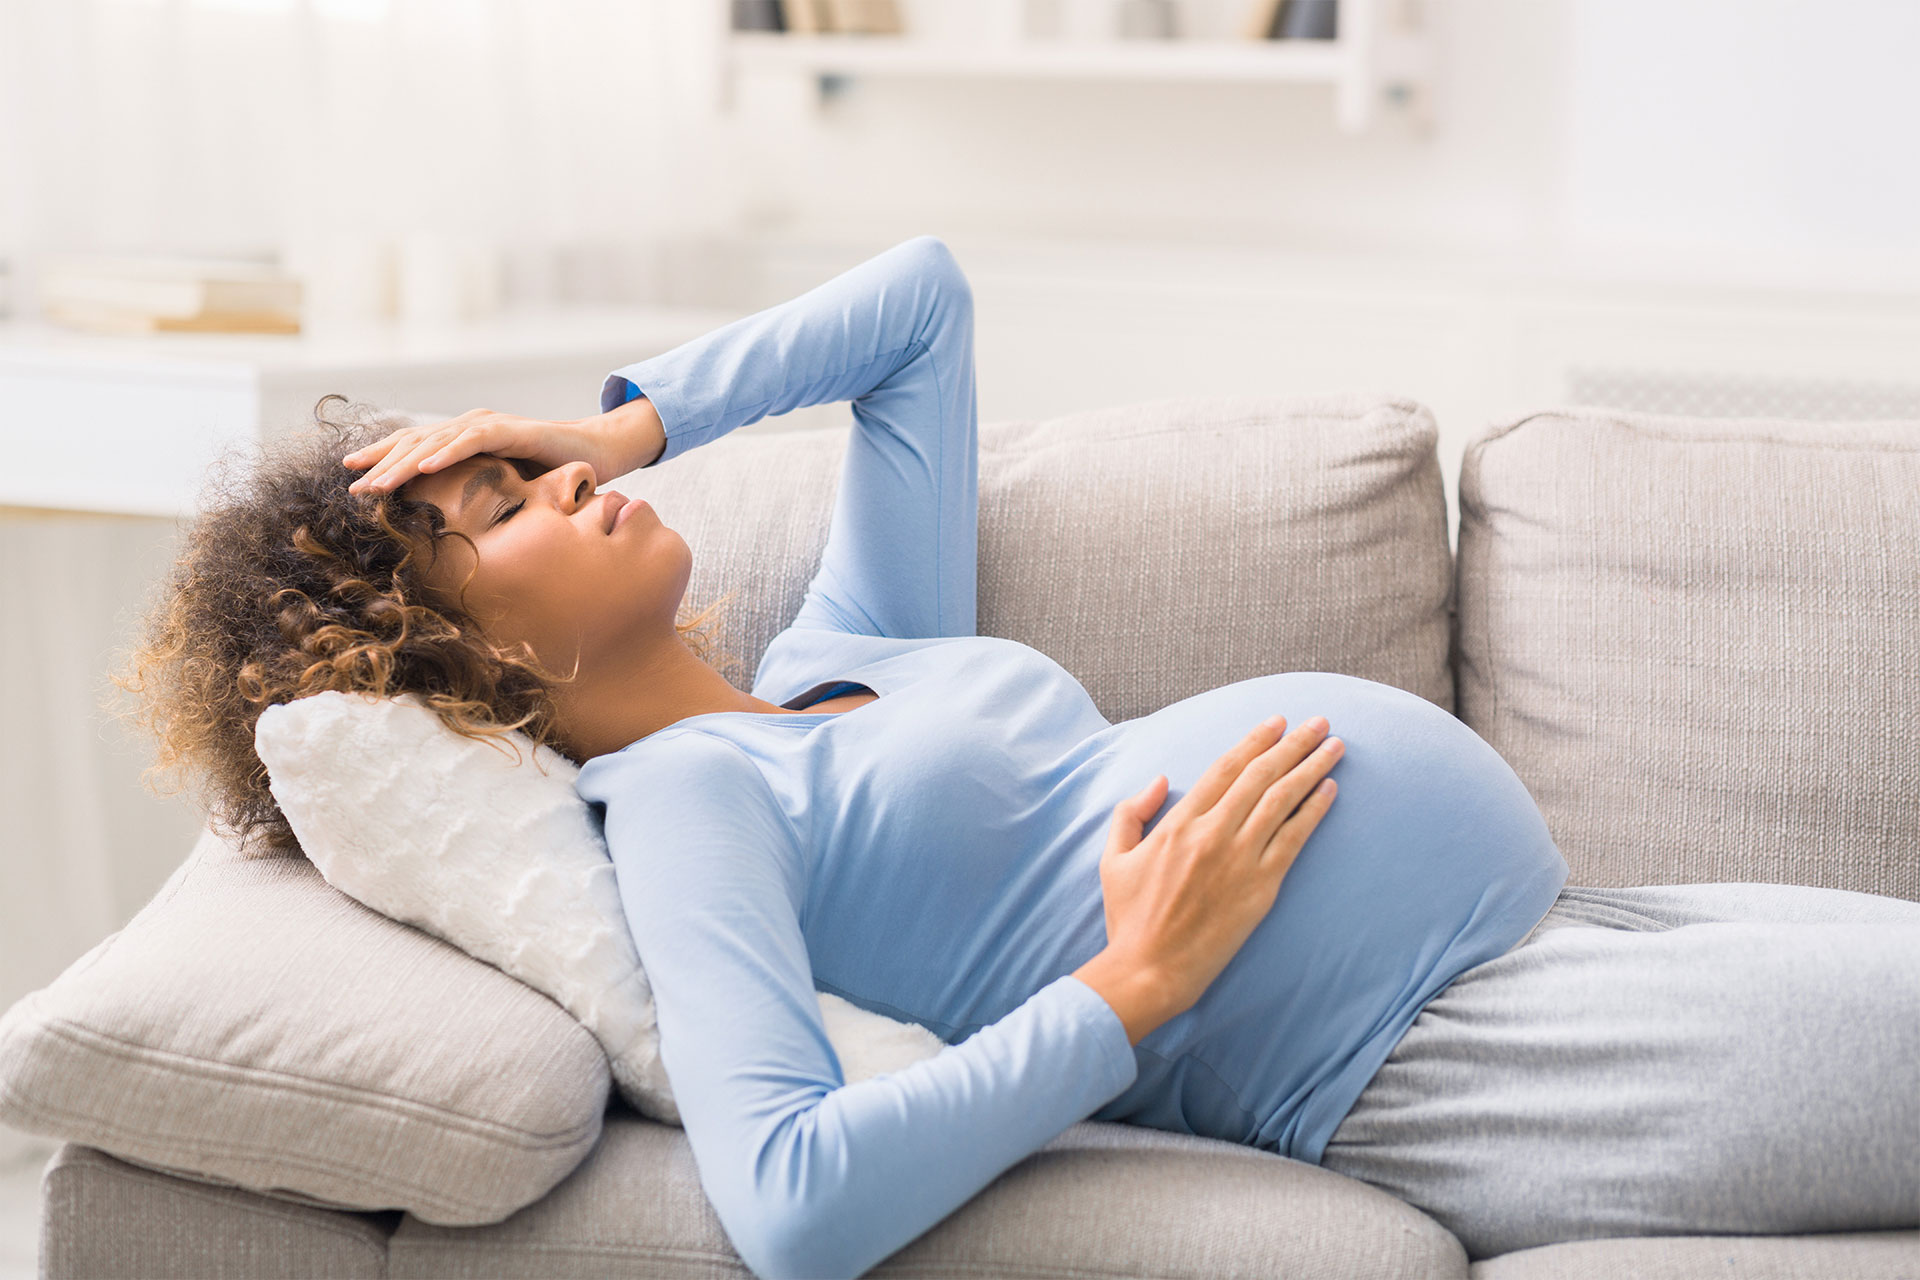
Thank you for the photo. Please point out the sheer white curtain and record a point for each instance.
(550, 127)
(572, 134)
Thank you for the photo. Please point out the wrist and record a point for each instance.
(1137, 993)
(636, 436)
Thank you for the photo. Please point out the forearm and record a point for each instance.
(837, 341)
(872, 1166)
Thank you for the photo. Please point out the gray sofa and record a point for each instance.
(1697, 641)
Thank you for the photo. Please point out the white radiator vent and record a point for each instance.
(1721, 396)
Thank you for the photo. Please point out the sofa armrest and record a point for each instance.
(104, 1217)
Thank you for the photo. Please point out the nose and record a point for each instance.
(574, 483)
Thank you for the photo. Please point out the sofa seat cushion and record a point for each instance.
(1840, 1255)
(253, 1026)
(1155, 550)
(1697, 642)
(1099, 1200)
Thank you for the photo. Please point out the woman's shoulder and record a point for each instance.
(678, 764)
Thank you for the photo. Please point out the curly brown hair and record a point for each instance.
(288, 585)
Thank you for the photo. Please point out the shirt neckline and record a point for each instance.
(878, 692)
(829, 683)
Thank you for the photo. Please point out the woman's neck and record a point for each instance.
(634, 695)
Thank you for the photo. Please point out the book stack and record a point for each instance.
(163, 294)
(813, 17)
(1292, 20)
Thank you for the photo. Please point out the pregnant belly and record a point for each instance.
(1431, 854)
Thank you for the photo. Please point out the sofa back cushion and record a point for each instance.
(253, 1027)
(1698, 642)
(1155, 550)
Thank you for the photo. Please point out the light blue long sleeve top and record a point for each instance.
(933, 855)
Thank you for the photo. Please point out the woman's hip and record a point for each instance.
(1662, 1060)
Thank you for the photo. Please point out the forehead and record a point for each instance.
(462, 482)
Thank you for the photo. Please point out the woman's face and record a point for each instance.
(552, 568)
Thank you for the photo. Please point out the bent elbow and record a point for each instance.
(791, 1218)
(797, 1251)
(934, 260)
(802, 1245)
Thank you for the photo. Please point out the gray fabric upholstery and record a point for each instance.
(1698, 642)
(253, 1026)
(104, 1219)
(1872, 1255)
(1155, 550)
(1099, 1200)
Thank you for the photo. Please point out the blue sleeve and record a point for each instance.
(894, 335)
(811, 1176)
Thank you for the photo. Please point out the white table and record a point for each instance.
(129, 425)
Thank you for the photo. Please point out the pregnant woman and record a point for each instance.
(1171, 921)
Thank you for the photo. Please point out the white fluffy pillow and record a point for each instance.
(504, 860)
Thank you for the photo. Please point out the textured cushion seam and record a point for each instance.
(1683, 437)
(589, 1248)
(1186, 430)
(956, 1267)
(433, 1195)
(227, 1073)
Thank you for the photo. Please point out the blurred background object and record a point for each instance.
(1307, 20)
(168, 294)
(1490, 206)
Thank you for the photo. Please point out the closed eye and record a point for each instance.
(526, 469)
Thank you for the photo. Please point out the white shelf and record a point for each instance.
(1321, 61)
(1376, 59)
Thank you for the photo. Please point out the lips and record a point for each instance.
(610, 503)
(633, 504)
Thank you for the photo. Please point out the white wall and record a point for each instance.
(1745, 141)
(83, 845)
(1741, 141)
(1749, 139)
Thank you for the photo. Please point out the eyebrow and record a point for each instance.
(487, 477)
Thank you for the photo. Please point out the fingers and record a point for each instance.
(1221, 775)
(1213, 784)
(1286, 772)
(1292, 834)
(406, 462)
(1290, 790)
(1130, 815)
(371, 454)
(400, 457)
